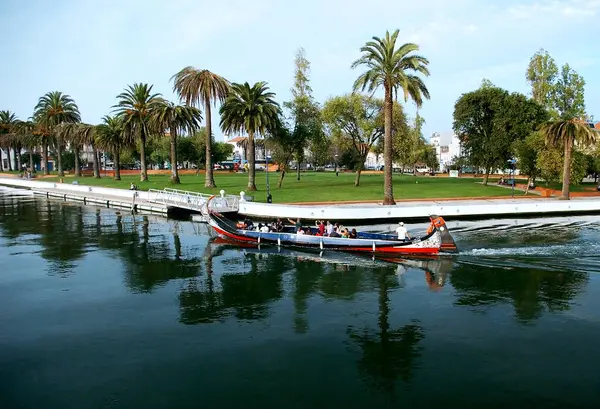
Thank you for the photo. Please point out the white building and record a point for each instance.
(447, 148)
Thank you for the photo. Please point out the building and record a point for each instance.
(239, 148)
(447, 148)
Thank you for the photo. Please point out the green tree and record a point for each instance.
(488, 121)
(174, 118)
(198, 87)
(188, 151)
(111, 137)
(305, 114)
(359, 118)
(568, 94)
(252, 110)
(393, 69)
(134, 108)
(52, 109)
(541, 74)
(565, 134)
(527, 151)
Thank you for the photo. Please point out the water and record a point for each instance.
(101, 309)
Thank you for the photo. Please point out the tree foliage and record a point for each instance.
(568, 94)
(489, 120)
(541, 74)
(357, 117)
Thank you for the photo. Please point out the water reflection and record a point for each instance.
(209, 281)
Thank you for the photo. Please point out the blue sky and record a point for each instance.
(92, 49)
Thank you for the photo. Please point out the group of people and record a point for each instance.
(322, 228)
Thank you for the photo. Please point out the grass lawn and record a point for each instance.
(315, 187)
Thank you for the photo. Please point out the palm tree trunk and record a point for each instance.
(388, 190)
(174, 171)
(1, 161)
(251, 160)
(281, 176)
(297, 170)
(45, 153)
(117, 164)
(59, 159)
(18, 155)
(209, 180)
(95, 162)
(77, 165)
(31, 169)
(567, 169)
(143, 172)
(10, 167)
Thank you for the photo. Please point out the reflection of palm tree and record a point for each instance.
(306, 280)
(531, 291)
(388, 354)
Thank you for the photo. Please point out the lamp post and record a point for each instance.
(269, 197)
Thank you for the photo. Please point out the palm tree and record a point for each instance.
(56, 108)
(25, 131)
(8, 121)
(391, 68)
(567, 133)
(197, 87)
(87, 135)
(110, 136)
(166, 115)
(134, 107)
(252, 110)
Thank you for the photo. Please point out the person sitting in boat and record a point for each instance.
(300, 231)
(344, 234)
(353, 234)
(402, 232)
(297, 224)
(248, 224)
(264, 228)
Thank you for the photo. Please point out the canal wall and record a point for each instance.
(109, 197)
(368, 212)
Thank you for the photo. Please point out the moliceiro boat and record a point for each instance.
(436, 239)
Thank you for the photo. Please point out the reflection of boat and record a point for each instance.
(438, 238)
(435, 267)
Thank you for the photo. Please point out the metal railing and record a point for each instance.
(193, 200)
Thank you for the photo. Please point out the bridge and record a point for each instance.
(193, 201)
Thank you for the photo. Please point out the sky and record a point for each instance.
(91, 50)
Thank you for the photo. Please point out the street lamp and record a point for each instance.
(336, 168)
(269, 197)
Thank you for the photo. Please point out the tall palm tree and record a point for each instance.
(8, 121)
(134, 107)
(87, 135)
(252, 110)
(111, 136)
(393, 69)
(567, 133)
(52, 109)
(197, 87)
(174, 118)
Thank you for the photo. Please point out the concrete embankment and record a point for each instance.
(367, 212)
(120, 198)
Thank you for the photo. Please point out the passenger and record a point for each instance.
(321, 226)
(279, 225)
(265, 229)
(307, 230)
(328, 228)
(297, 224)
(353, 234)
(249, 224)
(259, 227)
(344, 234)
(402, 232)
(300, 231)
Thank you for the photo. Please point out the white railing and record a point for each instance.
(193, 200)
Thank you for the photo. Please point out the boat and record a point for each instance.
(436, 239)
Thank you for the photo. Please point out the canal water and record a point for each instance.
(105, 309)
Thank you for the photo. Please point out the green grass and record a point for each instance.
(316, 187)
